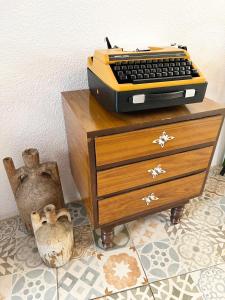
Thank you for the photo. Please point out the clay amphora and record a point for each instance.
(34, 185)
(53, 232)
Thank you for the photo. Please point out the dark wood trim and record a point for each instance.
(155, 155)
(151, 184)
(110, 131)
(93, 181)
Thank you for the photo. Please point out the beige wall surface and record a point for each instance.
(44, 48)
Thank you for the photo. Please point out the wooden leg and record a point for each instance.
(176, 214)
(107, 234)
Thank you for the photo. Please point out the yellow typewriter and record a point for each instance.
(125, 81)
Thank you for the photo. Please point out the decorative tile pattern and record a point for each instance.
(140, 293)
(8, 228)
(215, 234)
(166, 252)
(147, 229)
(80, 279)
(197, 250)
(178, 288)
(121, 238)
(222, 204)
(27, 256)
(83, 242)
(7, 247)
(121, 269)
(215, 183)
(161, 260)
(78, 213)
(211, 282)
(5, 287)
(21, 229)
(185, 225)
(36, 284)
(6, 265)
(207, 214)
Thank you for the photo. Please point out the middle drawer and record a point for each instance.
(151, 171)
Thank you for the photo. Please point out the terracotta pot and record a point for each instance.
(34, 185)
(54, 235)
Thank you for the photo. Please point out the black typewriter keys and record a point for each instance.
(140, 71)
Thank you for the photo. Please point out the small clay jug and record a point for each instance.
(34, 185)
(53, 232)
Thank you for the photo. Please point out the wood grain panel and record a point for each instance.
(98, 121)
(79, 158)
(139, 143)
(136, 174)
(128, 204)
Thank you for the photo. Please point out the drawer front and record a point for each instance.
(143, 200)
(124, 146)
(151, 171)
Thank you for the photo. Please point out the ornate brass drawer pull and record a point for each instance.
(148, 199)
(156, 171)
(163, 138)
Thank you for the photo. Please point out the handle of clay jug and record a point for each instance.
(63, 212)
(50, 169)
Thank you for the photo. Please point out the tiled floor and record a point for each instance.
(151, 258)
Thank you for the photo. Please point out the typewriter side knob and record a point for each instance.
(182, 47)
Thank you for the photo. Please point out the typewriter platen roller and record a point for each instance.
(124, 81)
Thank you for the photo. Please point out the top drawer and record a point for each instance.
(129, 145)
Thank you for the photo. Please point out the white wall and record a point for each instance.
(43, 51)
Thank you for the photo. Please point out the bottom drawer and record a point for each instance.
(143, 200)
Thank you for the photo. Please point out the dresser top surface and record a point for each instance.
(95, 120)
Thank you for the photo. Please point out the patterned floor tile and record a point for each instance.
(185, 225)
(6, 265)
(215, 234)
(121, 270)
(83, 242)
(21, 230)
(161, 260)
(207, 214)
(39, 283)
(121, 238)
(7, 246)
(181, 287)
(8, 228)
(139, 293)
(147, 229)
(80, 279)
(196, 244)
(27, 255)
(5, 287)
(221, 250)
(221, 203)
(78, 213)
(211, 282)
(197, 250)
(12, 228)
(215, 182)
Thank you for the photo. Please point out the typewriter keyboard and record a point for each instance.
(144, 71)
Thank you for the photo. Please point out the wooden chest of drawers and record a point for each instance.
(129, 165)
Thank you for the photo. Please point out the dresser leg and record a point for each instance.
(107, 234)
(176, 214)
